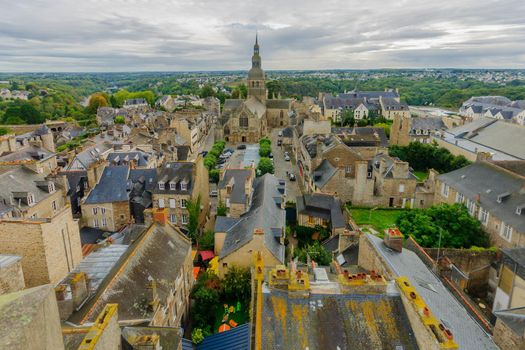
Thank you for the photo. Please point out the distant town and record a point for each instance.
(338, 209)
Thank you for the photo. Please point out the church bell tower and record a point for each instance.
(256, 86)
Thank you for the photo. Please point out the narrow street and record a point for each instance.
(283, 167)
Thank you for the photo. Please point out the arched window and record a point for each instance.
(243, 121)
(226, 130)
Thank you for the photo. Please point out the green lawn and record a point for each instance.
(379, 219)
(421, 175)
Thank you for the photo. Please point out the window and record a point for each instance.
(51, 187)
(183, 186)
(54, 205)
(161, 186)
(483, 216)
(103, 210)
(173, 186)
(95, 211)
(310, 220)
(183, 203)
(173, 218)
(444, 190)
(401, 188)
(184, 219)
(460, 197)
(95, 222)
(471, 206)
(506, 231)
(227, 202)
(224, 265)
(161, 203)
(173, 203)
(243, 121)
(348, 169)
(104, 222)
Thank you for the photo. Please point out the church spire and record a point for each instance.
(256, 46)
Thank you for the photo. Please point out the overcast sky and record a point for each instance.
(145, 35)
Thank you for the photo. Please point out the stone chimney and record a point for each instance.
(400, 170)
(394, 239)
(160, 216)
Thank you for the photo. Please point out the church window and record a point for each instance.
(243, 121)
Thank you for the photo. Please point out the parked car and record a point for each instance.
(204, 153)
(214, 193)
(287, 157)
(230, 150)
(291, 176)
(270, 155)
(279, 142)
(280, 134)
(241, 147)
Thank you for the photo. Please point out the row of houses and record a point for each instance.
(497, 107)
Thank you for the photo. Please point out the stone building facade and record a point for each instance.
(251, 119)
(11, 274)
(50, 248)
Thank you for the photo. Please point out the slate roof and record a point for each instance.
(225, 223)
(323, 173)
(505, 140)
(310, 143)
(239, 177)
(335, 321)
(90, 155)
(135, 101)
(514, 319)
(237, 338)
(113, 186)
(322, 206)
(263, 214)
(158, 254)
(30, 153)
(487, 182)
(426, 124)
(90, 235)
(122, 158)
(74, 178)
(278, 104)
(232, 104)
(175, 172)
(467, 332)
(391, 104)
(353, 138)
(20, 179)
(389, 162)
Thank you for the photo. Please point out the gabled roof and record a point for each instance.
(238, 179)
(176, 173)
(31, 153)
(237, 338)
(264, 214)
(113, 186)
(278, 104)
(484, 182)
(74, 178)
(121, 158)
(323, 206)
(467, 332)
(158, 254)
(421, 123)
(20, 179)
(323, 173)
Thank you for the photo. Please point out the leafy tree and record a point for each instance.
(237, 285)
(222, 210)
(265, 166)
(194, 209)
(113, 101)
(119, 119)
(347, 117)
(206, 302)
(207, 91)
(265, 150)
(206, 241)
(317, 253)
(4, 131)
(457, 228)
(197, 335)
(385, 126)
(95, 101)
(214, 175)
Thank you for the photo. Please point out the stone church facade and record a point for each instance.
(250, 119)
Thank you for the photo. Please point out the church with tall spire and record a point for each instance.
(250, 119)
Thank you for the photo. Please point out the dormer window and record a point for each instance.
(51, 187)
(183, 186)
(161, 186)
(173, 186)
(30, 199)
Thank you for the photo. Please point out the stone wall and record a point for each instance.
(506, 338)
(369, 259)
(49, 248)
(12, 277)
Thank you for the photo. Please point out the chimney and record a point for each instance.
(394, 239)
(160, 216)
(483, 157)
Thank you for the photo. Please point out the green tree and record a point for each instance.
(265, 166)
(265, 150)
(453, 222)
(222, 210)
(4, 131)
(95, 101)
(214, 175)
(317, 253)
(237, 285)
(347, 117)
(197, 335)
(194, 209)
(207, 91)
(119, 119)
(113, 101)
(206, 241)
